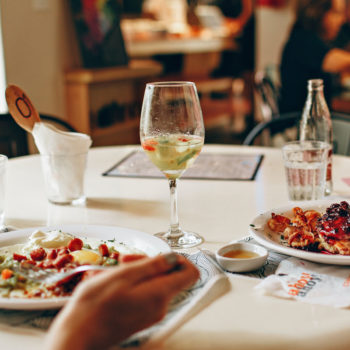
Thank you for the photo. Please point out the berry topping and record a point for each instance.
(335, 223)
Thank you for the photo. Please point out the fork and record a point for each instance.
(50, 276)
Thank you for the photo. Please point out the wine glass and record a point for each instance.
(172, 135)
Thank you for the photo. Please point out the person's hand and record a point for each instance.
(110, 306)
(234, 26)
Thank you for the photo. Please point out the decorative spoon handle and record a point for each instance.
(21, 108)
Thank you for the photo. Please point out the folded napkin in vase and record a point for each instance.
(50, 140)
(309, 282)
(63, 156)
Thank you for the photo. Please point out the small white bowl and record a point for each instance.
(242, 264)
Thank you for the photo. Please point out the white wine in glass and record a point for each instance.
(172, 135)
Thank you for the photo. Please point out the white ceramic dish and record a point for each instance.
(239, 264)
(151, 245)
(272, 240)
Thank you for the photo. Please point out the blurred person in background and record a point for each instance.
(343, 39)
(240, 21)
(310, 52)
(172, 13)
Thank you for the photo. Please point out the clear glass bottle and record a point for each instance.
(316, 123)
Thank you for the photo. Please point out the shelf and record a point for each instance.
(116, 128)
(121, 133)
(136, 69)
(89, 90)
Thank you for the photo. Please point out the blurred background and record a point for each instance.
(87, 61)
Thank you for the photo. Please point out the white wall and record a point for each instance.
(39, 44)
(272, 29)
(3, 104)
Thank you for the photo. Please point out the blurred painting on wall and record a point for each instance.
(272, 3)
(97, 24)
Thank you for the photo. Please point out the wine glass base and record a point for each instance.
(186, 240)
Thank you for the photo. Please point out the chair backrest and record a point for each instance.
(57, 122)
(13, 139)
(341, 133)
(267, 95)
(340, 122)
(273, 126)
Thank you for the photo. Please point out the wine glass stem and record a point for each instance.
(175, 230)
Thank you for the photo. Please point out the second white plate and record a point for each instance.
(149, 244)
(271, 240)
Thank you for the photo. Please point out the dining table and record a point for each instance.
(219, 210)
(144, 38)
(174, 45)
(148, 39)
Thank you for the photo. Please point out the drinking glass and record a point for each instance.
(64, 177)
(172, 135)
(306, 168)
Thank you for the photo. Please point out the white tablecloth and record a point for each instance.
(221, 211)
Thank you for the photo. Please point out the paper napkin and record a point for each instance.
(50, 140)
(309, 282)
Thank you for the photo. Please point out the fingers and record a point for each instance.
(168, 285)
(123, 300)
(150, 298)
(132, 273)
(144, 269)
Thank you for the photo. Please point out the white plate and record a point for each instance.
(271, 239)
(148, 244)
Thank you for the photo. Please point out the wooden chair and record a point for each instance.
(267, 95)
(341, 133)
(57, 122)
(14, 139)
(272, 127)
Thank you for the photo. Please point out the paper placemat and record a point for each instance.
(208, 166)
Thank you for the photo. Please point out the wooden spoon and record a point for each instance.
(21, 108)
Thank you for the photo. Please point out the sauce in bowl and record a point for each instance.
(240, 254)
(241, 257)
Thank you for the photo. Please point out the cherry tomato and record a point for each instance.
(38, 254)
(103, 249)
(19, 257)
(75, 244)
(63, 260)
(62, 251)
(52, 254)
(148, 147)
(115, 255)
